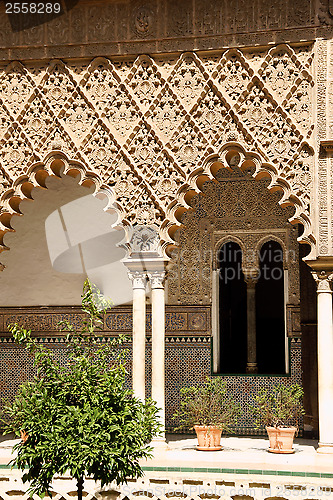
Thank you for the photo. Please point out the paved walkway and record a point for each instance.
(242, 453)
(238, 454)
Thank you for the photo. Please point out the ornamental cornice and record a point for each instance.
(327, 145)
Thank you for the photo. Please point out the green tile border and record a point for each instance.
(259, 472)
(216, 470)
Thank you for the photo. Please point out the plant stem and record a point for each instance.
(79, 485)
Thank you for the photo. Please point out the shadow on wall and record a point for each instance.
(28, 17)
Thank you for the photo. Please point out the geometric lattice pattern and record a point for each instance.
(144, 127)
(190, 365)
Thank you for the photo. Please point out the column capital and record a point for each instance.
(251, 277)
(156, 278)
(138, 278)
(323, 280)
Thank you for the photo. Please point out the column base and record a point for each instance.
(325, 448)
(251, 368)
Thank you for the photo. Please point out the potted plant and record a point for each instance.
(280, 410)
(209, 410)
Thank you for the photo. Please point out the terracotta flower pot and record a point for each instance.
(281, 439)
(209, 438)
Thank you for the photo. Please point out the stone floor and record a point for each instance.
(242, 470)
(238, 453)
(242, 453)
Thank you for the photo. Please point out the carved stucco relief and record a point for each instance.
(143, 129)
(236, 208)
(164, 25)
(322, 164)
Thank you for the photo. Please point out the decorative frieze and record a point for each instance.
(179, 321)
(149, 26)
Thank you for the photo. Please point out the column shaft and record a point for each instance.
(158, 350)
(325, 366)
(158, 347)
(139, 333)
(251, 278)
(251, 366)
(215, 322)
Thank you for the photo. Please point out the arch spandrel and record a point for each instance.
(152, 154)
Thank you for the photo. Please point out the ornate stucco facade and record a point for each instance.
(200, 123)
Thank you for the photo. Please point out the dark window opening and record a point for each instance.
(232, 308)
(270, 311)
(270, 322)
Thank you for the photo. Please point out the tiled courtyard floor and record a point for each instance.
(238, 453)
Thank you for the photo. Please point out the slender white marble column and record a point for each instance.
(251, 280)
(156, 279)
(215, 321)
(139, 280)
(325, 360)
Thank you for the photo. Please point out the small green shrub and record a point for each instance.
(280, 406)
(80, 417)
(208, 405)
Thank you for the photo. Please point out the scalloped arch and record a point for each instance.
(54, 164)
(248, 161)
(57, 162)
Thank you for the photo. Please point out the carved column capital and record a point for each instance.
(138, 278)
(251, 277)
(323, 280)
(156, 278)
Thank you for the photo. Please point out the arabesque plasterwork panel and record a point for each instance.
(235, 208)
(144, 126)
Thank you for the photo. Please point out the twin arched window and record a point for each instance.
(251, 315)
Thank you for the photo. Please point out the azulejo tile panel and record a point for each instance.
(187, 355)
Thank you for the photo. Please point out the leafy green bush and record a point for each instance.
(280, 406)
(80, 418)
(208, 405)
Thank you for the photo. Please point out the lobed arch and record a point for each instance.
(273, 237)
(57, 162)
(230, 238)
(251, 162)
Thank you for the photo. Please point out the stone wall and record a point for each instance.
(84, 28)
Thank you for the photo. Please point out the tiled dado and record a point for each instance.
(187, 354)
(180, 321)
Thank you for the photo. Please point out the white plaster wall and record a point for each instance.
(29, 278)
